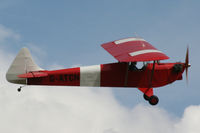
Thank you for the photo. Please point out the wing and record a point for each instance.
(133, 49)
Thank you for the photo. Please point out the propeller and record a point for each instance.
(187, 65)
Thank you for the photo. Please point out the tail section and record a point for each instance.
(23, 63)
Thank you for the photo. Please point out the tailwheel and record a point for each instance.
(153, 100)
(146, 97)
(20, 88)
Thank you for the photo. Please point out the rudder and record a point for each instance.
(23, 63)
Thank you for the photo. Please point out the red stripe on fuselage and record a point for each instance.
(64, 77)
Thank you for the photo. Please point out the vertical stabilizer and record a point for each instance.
(23, 63)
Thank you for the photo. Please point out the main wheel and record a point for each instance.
(146, 97)
(153, 100)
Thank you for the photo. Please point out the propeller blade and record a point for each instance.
(187, 65)
(186, 72)
(187, 57)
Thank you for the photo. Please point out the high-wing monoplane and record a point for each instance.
(123, 73)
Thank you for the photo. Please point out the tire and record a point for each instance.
(146, 97)
(153, 100)
(19, 89)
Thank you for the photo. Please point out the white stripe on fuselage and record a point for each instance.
(128, 40)
(144, 52)
(90, 75)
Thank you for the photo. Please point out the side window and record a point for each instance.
(140, 65)
(133, 66)
(136, 66)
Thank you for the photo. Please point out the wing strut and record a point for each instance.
(151, 78)
(152, 73)
(126, 75)
(148, 92)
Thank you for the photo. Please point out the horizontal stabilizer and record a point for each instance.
(33, 75)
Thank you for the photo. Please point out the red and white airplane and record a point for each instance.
(124, 73)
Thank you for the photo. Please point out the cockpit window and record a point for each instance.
(135, 66)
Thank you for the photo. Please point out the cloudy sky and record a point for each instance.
(68, 33)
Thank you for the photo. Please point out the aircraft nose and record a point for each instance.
(177, 68)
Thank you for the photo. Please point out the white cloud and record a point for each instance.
(190, 121)
(37, 50)
(77, 65)
(55, 66)
(79, 109)
(6, 33)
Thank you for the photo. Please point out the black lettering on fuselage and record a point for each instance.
(61, 78)
(71, 77)
(68, 77)
(64, 78)
(77, 77)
